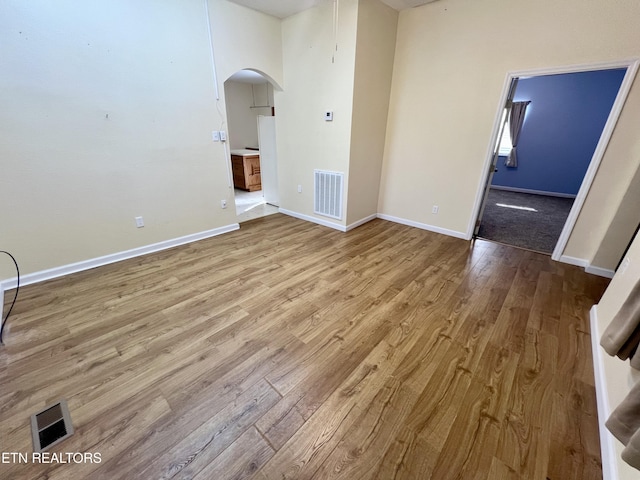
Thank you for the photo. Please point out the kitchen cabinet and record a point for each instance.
(245, 165)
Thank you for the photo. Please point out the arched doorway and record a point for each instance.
(249, 98)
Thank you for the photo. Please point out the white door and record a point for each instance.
(496, 153)
(268, 159)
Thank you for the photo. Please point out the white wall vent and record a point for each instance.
(327, 199)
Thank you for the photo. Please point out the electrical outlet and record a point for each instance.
(435, 209)
(223, 203)
(215, 135)
(139, 222)
(299, 188)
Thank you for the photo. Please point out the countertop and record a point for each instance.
(245, 152)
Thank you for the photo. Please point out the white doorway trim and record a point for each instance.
(632, 68)
(268, 159)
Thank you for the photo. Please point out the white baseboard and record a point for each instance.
(308, 218)
(403, 221)
(115, 257)
(607, 442)
(424, 226)
(534, 192)
(601, 272)
(578, 262)
(362, 221)
(581, 262)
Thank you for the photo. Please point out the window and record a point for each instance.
(504, 143)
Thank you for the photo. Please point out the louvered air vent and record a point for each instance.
(327, 199)
(50, 426)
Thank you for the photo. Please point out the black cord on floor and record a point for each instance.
(15, 297)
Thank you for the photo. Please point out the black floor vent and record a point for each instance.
(50, 426)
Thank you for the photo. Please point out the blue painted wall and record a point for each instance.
(561, 129)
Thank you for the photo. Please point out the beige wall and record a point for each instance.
(621, 228)
(245, 38)
(313, 84)
(242, 119)
(101, 124)
(619, 376)
(107, 112)
(451, 60)
(375, 47)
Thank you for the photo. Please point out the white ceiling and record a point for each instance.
(285, 8)
(279, 8)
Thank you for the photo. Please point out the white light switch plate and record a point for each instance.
(625, 265)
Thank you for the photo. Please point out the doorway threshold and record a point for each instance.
(513, 246)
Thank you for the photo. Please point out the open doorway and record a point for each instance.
(251, 124)
(559, 123)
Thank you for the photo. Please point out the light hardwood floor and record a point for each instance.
(290, 350)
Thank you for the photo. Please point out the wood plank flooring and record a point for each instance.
(287, 350)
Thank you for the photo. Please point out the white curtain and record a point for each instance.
(516, 119)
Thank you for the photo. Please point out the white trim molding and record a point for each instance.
(362, 221)
(114, 257)
(311, 219)
(424, 226)
(581, 262)
(607, 442)
(578, 262)
(382, 216)
(533, 192)
(601, 272)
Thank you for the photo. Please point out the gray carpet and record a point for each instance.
(537, 229)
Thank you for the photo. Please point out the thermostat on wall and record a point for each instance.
(328, 116)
